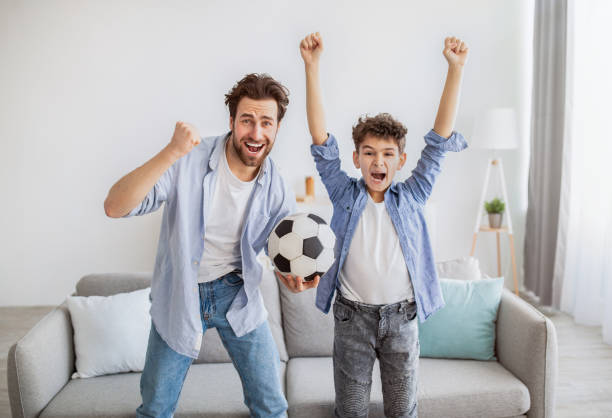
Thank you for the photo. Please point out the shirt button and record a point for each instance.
(196, 262)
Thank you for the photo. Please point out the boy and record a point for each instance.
(384, 267)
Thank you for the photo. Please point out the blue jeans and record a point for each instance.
(364, 332)
(254, 355)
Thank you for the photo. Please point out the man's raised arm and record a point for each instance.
(132, 188)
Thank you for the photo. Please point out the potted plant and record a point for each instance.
(495, 209)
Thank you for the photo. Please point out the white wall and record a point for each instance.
(90, 90)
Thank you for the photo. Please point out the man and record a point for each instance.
(223, 197)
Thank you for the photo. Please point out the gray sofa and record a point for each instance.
(519, 384)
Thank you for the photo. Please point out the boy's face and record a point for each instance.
(379, 159)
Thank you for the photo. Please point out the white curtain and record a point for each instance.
(548, 115)
(582, 284)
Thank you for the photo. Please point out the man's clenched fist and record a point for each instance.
(184, 139)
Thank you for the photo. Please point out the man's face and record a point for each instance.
(378, 159)
(254, 129)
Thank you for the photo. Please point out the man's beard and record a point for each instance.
(249, 160)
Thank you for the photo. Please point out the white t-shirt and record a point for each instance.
(375, 271)
(224, 222)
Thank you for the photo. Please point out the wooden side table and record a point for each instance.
(498, 231)
(506, 229)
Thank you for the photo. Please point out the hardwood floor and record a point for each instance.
(584, 387)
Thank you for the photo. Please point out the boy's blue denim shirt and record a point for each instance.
(187, 188)
(405, 203)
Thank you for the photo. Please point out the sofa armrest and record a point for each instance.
(526, 345)
(40, 364)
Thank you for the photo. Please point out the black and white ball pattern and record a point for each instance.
(302, 245)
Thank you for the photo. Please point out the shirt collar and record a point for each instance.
(393, 188)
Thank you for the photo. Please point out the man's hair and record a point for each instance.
(257, 87)
(381, 126)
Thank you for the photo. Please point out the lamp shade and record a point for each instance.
(495, 129)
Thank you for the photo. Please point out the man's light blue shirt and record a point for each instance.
(187, 188)
(404, 202)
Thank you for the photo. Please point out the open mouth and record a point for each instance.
(254, 148)
(378, 177)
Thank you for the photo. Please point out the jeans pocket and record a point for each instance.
(232, 280)
(411, 312)
(342, 313)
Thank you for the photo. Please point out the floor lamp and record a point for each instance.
(496, 130)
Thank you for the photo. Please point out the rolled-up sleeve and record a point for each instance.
(157, 195)
(327, 161)
(420, 183)
(456, 142)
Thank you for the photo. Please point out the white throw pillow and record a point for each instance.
(110, 332)
(465, 268)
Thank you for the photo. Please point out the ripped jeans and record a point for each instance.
(363, 333)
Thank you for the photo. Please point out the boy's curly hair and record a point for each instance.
(381, 126)
(258, 86)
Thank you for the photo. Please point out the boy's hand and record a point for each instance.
(455, 51)
(297, 284)
(311, 48)
(184, 139)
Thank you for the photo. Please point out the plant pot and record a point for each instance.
(495, 220)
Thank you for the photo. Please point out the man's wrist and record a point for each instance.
(170, 154)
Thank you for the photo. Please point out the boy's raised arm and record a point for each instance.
(442, 139)
(311, 48)
(455, 52)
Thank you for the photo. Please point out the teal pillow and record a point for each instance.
(465, 327)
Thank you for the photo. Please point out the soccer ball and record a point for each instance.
(302, 245)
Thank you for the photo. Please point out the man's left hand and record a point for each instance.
(297, 284)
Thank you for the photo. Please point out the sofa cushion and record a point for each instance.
(271, 296)
(447, 388)
(310, 388)
(211, 390)
(108, 284)
(110, 332)
(308, 331)
(464, 268)
(465, 326)
(212, 350)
